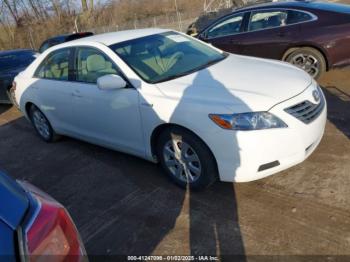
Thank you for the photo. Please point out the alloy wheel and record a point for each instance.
(182, 160)
(307, 62)
(41, 124)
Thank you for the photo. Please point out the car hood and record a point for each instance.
(14, 201)
(256, 83)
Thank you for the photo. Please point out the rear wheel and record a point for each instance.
(308, 59)
(186, 159)
(42, 125)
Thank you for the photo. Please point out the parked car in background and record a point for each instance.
(59, 39)
(11, 63)
(168, 97)
(34, 226)
(309, 34)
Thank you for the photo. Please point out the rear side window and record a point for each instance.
(92, 64)
(267, 19)
(55, 66)
(295, 17)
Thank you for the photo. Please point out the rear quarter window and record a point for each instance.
(295, 17)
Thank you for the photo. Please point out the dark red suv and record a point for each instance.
(314, 36)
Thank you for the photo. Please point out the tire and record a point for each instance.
(308, 59)
(196, 167)
(42, 125)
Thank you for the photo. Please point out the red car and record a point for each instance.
(314, 36)
(34, 226)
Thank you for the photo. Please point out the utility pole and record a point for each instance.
(178, 16)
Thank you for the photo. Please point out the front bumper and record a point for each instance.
(250, 155)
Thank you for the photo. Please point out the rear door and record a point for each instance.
(269, 33)
(265, 34)
(225, 34)
(52, 88)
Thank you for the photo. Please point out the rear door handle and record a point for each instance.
(235, 42)
(76, 94)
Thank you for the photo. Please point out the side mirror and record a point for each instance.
(202, 36)
(110, 82)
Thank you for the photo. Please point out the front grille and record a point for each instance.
(306, 111)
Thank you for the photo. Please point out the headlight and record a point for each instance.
(247, 121)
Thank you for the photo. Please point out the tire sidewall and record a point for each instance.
(208, 164)
(32, 110)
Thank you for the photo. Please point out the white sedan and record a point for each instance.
(167, 97)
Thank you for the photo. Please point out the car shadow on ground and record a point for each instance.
(4, 108)
(338, 106)
(124, 205)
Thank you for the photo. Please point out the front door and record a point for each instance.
(107, 117)
(225, 34)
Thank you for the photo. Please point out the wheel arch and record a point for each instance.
(161, 128)
(27, 107)
(319, 49)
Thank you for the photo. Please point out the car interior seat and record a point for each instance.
(141, 60)
(97, 66)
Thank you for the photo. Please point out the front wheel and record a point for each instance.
(186, 159)
(308, 59)
(42, 125)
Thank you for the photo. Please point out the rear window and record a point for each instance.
(16, 60)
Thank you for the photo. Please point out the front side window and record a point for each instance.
(267, 19)
(161, 57)
(92, 64)
(229, 26)
(55, 66)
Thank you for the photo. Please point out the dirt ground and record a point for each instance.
(125, 205)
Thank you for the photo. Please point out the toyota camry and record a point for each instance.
(203, 114)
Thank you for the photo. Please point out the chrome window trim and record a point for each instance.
(313, 19)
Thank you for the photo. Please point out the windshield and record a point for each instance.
(16, 60)
(161, 57)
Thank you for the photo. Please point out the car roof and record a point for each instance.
(63, 37)
(15, 51)
(312, 4)
(120, 36)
